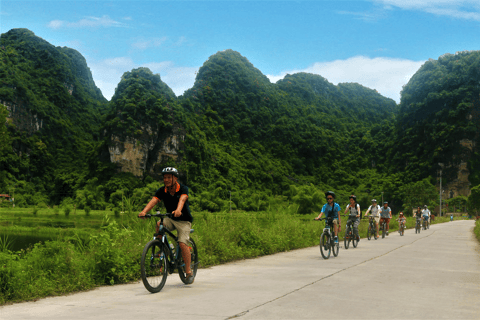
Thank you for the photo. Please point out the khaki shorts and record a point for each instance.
(377, 218)
(182, 227)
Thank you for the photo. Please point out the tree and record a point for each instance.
(417, 194)
(474, 200)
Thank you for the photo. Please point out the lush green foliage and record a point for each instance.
(474, 200)
(439, 117)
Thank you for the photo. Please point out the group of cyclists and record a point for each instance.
(175, 197)
(379, 214)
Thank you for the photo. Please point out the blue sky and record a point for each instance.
(378, 43)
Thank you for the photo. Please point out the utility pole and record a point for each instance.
(440, 192)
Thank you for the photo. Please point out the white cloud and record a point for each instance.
(150, 43)
(460, 9)
(107, 74)
(88, 22)
(386, 75)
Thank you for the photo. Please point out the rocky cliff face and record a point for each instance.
(460, 185)
(143, 155)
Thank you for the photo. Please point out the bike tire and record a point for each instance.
(153, 266)
(193, 262)
(369, 233)
(325, 246)
(335, 249)
(346, 240)
(384, 230)
(354, 240)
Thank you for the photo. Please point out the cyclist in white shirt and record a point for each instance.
(375, 212)
(426, 214)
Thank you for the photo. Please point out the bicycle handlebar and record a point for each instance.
(161, 215)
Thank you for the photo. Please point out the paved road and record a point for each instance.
(431, 275)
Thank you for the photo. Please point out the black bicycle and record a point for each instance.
(425, 222)
(327, 240)
(418, 224)
(160, 257)
(372, 229)
(349, 234)
(383, 227)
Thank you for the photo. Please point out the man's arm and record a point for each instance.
(178, 212)
(149, 206)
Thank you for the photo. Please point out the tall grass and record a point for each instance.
(476, 230)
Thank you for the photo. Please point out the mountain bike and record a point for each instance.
(424, 223)
(372, 229)
(349, 234)
(383, 228)
(418, 224)
(327, 241)
(160, 257)
(401, 227)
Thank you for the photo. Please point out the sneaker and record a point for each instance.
(387, 233)
(336, 239)
(190, 278)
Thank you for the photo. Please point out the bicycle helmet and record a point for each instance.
(401, 213)
(426, 207)
(170, 170)
(385, 202)
(374, 200)
(330, 193)
(353, 197)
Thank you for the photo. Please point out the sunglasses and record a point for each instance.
(329, 198)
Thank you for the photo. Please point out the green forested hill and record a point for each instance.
(243, 136)
(56, 112)
(439, 118)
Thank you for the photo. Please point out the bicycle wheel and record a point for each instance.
(193, 262)
(369, 232)
(384, 230)
(347, 238)
(335, 248)
(354, 240)
(153, 266)
(325, 246)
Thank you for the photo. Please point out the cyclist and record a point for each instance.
(331, 209)
(418, 214)
(175, 199)
(401, 219)
(354, 208)
(375, 212)
(386, 215)
(426, 215)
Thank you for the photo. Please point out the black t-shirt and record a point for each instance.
(171, 202)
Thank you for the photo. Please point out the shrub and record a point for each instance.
(67, 211)
(87, 211)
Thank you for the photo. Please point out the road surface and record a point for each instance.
(431, 275)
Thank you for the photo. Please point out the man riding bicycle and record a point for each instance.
(331, 209)
(175, 199)
(354, 209)
(386, 215)
(426, 214)
(375, 213)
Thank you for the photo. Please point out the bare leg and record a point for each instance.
(186, 257)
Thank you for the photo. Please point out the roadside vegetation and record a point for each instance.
(82, 258)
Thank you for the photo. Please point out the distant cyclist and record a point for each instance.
(401, 219)
(386, 215)
(354, 211)
(375, 212)
(331, 209)
(426, 215)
